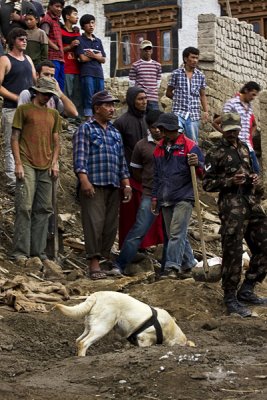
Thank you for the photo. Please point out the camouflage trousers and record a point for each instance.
(242, 218)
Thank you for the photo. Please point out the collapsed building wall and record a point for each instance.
(231, 54)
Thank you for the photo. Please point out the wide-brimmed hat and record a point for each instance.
(230, 122)
(168, 121)
(46, 85)
(103, 97)
(145, 43)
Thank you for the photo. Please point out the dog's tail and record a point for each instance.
(78, 311)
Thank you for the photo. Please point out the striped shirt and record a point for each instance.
(147, 75)
(99, 153)
(186, 95)
(245, 111)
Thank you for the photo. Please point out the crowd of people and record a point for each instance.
(133, 174)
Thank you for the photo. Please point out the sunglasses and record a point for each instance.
(22, 39)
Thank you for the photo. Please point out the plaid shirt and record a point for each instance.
(55, 36)
(245, 111)
(99, 153)
(187, 93)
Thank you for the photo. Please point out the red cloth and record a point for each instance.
(127, 218)
(71, 63)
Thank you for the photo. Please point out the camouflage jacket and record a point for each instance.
(222, 162)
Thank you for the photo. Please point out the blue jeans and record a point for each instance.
(59, 73)
(254, 161)
(90, 86)
(190, 127)
(179, 254)
(144, 220)
(152, 105)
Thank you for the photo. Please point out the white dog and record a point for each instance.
(131, 318)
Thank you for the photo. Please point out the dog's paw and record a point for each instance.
(190, 343)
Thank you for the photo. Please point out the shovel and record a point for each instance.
(208, 270)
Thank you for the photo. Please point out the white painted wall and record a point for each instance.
(187, 36)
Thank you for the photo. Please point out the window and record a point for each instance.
(126, 50)
(256, 26)
(129, 47)
(166, 47)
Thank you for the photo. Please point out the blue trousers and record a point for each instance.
(179, 254)
(190, 127)
(59, 73)
(144, 220)
(90, 86)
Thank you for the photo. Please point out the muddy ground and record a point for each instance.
(37, 350)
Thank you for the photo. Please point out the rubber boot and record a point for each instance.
(233, 306)
(246, 294)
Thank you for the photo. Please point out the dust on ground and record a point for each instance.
(37, 350)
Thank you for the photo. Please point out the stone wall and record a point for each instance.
(231, 54)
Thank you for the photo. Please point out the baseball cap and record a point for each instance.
(103, 97)
(230, 122)
(46, 85)
(145, 43)
(168, 121)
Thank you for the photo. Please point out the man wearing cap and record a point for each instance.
(100, 165)
(173, 192)
(35, 147)
(228, 170)
(146, 73)
(186, 88)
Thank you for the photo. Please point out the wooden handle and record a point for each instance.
(200, 225)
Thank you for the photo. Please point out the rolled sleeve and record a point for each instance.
(81, 147)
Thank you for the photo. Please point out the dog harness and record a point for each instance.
(153, 320)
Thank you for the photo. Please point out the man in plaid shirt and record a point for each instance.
(186, 88)
(101, 167)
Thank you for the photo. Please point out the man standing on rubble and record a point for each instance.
(99, 163)
(35, 147)
(228, 170)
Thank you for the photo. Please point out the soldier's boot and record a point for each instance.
(233, 306)
(246, 294)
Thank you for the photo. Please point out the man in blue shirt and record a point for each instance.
(101, 167)
(186, 88)
(91, 55)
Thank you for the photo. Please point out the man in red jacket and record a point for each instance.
(173, 192)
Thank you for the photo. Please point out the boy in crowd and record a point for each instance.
(37, 45)
(70, 35)
(91, 54)
(50, 24)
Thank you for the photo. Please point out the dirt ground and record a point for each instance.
(37, 350)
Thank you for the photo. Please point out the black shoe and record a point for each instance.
(237, 308)
(246, 294)
(251, 298)
(234, 307)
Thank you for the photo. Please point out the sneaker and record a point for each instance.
(114, 272)
(169, 274)
(185, 274)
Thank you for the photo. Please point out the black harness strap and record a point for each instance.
(153, 320)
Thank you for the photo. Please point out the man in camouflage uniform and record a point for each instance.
(228, 170)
